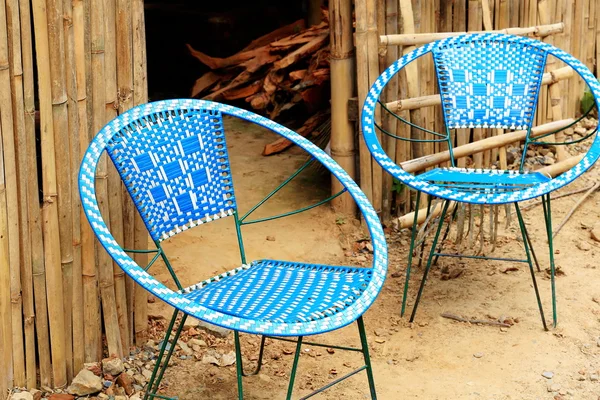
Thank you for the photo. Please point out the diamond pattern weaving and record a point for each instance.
(489, 83)
(176, 169)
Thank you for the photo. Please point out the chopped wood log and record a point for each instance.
(309, 126)
(242, 92)
(302, 52)
(282, 70)
(277, 34)
(204, 82)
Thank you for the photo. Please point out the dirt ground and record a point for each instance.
(434, 358)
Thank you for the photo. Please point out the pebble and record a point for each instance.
(361, 258)
(548, 374)
(271, 238)
(112, 366)
(553, 387)
(478, 355)
(21, 396)
(594, 377)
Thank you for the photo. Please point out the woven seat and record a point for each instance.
(280, 291)
(483, 180)
(173, 160)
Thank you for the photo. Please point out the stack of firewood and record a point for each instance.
(283, 70)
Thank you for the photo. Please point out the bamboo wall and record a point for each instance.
(76, 64)
(387, 29)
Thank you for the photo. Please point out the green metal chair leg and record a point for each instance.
(526, 245)
(294, 368)
(548, 218)
(410, 256)
(537, 264)
(365, 351)
(238, 364)
(445, 236)
(163, 361)
(429, 200)
(430, 259)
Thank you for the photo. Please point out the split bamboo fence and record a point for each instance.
(66, 68)
(387, 29)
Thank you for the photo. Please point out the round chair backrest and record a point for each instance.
(486, 81)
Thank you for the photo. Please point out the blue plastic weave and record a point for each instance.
(482, 197)
(489, 83)
(282, 291)
(342, 294)
(176, 168)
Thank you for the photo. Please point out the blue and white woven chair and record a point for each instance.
(173, 160)
(485, 81)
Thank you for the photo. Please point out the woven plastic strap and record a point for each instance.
(489, 82)
(176, 168)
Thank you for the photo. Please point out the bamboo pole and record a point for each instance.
(105, 270)
(10, 172)
(91, 309)
(342, 88)
(39, 313)
(124, 52)
(417, 39)
(140, 96)
(576, 50)
(389, 123)
(412, 75)
(548, 78)
(362, 72)
(63, 168)
(18, 103)
(553, 90)
(76, 293)
(125, 81)
(115, 203)
(6, 378)
(52, 256)
(373, 65)
(421, 163)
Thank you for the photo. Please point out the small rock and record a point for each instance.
(553, 387)
(113, 366)
(37, 394)
(478, 355)
(214, 329)
(583, 245)
(120, 397)
(167, 347)
(548, 374)
(126, 382)
(271, 238)
(135, 397)
(361, 258)
(503, 329)
(594, 377)
(107, 384)
(264, 377)
(146, 373)
(548, 159)
(196, 342)
(21, 396)
(85, 383)
(61, 396)
(185, 348)
(580, 130)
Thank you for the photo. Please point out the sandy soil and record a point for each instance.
(434, 358)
